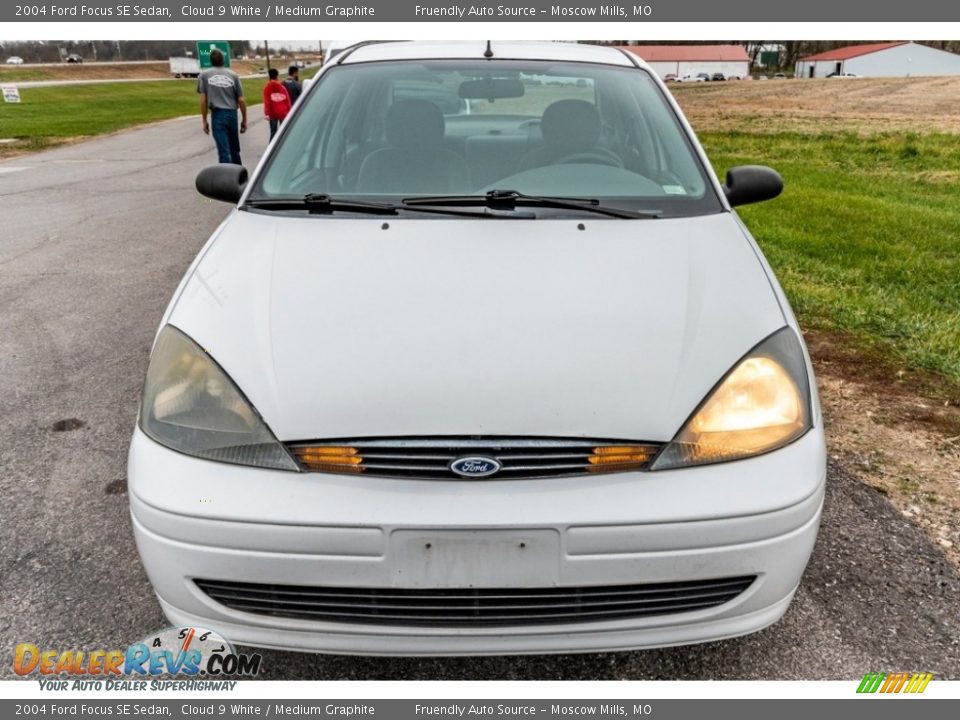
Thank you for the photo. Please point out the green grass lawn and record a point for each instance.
(66, 111)
(78, 110)
(865, 238)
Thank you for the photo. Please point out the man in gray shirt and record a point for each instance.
(221, 93)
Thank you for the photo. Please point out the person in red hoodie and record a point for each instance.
(276, 101)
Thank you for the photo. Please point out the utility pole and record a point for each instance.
(266, 50)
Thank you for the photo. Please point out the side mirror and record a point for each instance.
(752, 183)
(222, 182)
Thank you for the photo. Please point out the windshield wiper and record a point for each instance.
(323, 203)
(507, 199)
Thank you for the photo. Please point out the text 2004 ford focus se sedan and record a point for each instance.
(482, 362)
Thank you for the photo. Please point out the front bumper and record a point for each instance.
(198, 519)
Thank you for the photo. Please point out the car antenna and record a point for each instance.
(488, 53)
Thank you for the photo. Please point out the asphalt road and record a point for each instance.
(93, 240)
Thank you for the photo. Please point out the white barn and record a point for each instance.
(680, 60)
(890, 59)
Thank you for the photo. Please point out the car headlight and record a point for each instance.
(191, 405)
(761, 404)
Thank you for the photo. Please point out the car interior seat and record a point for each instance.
(571, 132)
(415, 160)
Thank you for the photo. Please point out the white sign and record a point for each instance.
(11, 93)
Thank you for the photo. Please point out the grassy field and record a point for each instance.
(48, 115)
(866, 236)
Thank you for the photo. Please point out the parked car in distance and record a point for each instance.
(692, 79)
(670, 77)
(14, 60)
(704, 76)
(512, 380)
(779, 76)
(74, 58)
(718, 76)
(842, 75)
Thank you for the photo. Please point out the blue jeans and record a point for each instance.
(274, 124)
(226, 134)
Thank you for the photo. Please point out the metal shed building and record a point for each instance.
(731, 60)
(890, 59)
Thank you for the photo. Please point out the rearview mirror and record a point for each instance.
(491, 89)
(752, 183)
(222, 182)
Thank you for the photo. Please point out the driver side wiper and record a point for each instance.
(318, 202)
(323, 203)
(507, 199)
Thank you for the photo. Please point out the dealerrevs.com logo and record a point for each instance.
(179, 652)
(901, 682)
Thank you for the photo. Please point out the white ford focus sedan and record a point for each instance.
(482, 361)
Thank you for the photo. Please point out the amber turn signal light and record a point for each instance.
(329, 459)
(619, 457)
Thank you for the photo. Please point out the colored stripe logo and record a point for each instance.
(894, 682)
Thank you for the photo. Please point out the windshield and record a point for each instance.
(390, 131)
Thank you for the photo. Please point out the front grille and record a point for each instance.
(433, 458)
(474, 606)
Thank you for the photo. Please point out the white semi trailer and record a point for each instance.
(184, 67)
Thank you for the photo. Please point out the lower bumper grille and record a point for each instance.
(474, 606)
(499, 458)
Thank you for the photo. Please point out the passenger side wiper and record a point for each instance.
(507, 199)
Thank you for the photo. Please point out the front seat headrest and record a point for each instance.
(575, 123)
(414, 123)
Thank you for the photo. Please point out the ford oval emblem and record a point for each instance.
(475, 467)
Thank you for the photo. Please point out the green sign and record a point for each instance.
(769, 58)
(203, 52)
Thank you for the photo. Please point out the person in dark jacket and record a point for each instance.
(292, 83)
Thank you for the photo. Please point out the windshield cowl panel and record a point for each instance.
(384, 133)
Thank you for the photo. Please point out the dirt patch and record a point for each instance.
(898, 431)
(117, 71)
(862, 105)
(87, 71)
(26, 146)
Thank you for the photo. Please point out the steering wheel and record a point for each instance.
(599, 155)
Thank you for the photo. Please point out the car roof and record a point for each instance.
(504, 50)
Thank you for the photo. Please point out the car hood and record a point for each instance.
(337, 327)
